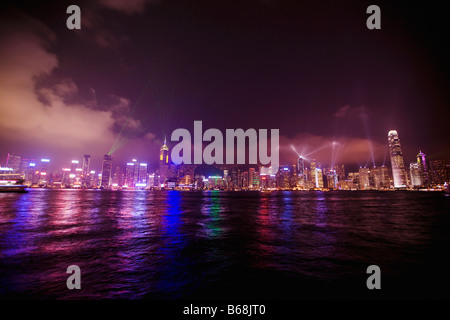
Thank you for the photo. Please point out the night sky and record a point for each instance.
(139, 69)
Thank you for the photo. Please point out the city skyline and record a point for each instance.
(136, 71)
(135, 174)
(328, 160)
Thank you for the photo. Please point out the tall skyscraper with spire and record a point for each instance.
(163, 163)
(397, 162)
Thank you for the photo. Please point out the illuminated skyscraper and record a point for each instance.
(414, 171)
(85, 171)
(142, 174)
(74, 166)
(301, 172)
(332, 179)
(375, 175)
(313, 174)
(438, 171)
(136, 172)
(300, 166)
(319, 178)
(283, 177)
(398, 164)
(423, 168)
(106, 171)
(29, 170)
(385, 177)
(354, 178)
(364, 181)
(251, 174)
(13, 162)
(43, 174)
(163, 163)
(164, 153)
(129, 174)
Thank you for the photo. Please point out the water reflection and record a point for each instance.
(211, 209)
(171, 244)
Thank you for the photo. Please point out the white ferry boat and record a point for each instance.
(10, 182)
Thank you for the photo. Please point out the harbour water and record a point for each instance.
(224, 245)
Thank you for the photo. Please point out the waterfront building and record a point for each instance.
(85, 169)
(438, 172)
(415, 175)
(129, 174)
(423, 168)
(163, 164)
(13, 161)
(397, 162)
(319, 178)
(364, 178)
(106, 171)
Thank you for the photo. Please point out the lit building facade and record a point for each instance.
(106, 171)
(438, 172)
(364, 178)
(423, 168)
(397, 162)
(85, 170)
(163, 164)
(414, 171)
(13, 161)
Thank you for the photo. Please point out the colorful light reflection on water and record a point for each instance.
(211, 244)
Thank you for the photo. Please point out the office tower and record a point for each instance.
(332, 179)
(129, 174)
(13, 162)
(340, 172)
(313, 173)
(136, 172)
(163, 164)
(423, 168)
(398, 164)
(300, 166)
(43, 172)
(293, 177)
(85, 169)
(245, 181)
(283, 177)
(354, 177)
(385, 177)
(301, 172)
(416, 177)
(164, 153)
(44, 165)
(142, 174)
(251, 174)
(438, 171)
(117, 179)
(106, 171)
(29, 171)
(319, 178)
(74, 166)
(364, 180)
(255, 180)
(151, 180)
(377, 177)
(66, 177)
